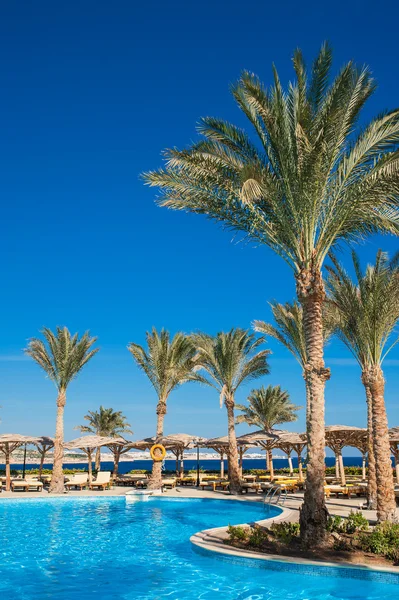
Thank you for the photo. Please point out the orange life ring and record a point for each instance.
(158, 452)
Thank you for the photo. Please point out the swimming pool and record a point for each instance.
(72, 548)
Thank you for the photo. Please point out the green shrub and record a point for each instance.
(354, 522)
(237, 533)
(383, 540)
(257, 537)
(285, 532)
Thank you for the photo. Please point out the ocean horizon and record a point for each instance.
(191, 464)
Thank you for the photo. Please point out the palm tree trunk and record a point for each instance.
(372, 478)
(386, 506)
(234, 471)
(155, 482)
(313, 518)
(57, 479)
(98, 459)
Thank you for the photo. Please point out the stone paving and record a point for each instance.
(336, 506)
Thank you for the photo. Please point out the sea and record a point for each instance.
(191, 464)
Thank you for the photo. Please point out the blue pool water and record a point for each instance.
(72, 548)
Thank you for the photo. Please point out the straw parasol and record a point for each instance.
(88, 443)
(339, 436)
(265, 439)
(293, 442)
(118, 447)
(220, 445)
(9, 442)
(175, 442)
(43, 445)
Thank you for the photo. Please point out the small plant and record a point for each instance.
(356, 522)
(384, 540)
(237, 534)
(285, 532)
(257, 537)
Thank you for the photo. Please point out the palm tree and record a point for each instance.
(268, 407)
(305, 184)
(230, 359)
(62, 356)
(168, 363)
(289, 331)
(105, 422)
(368, 312)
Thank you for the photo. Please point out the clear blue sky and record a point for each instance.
(91, 93)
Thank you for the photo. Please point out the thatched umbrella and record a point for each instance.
(118, 447)
(265, 439)
(293, 442)
(181, 442)
(220, 445)
(9, 442)
(394, 443)
(339, 436)
(88, 443)
(175, 442)
(43, 445)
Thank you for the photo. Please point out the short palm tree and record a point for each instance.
(168, 363)
(62, 356)
(106, 422)
(230, 359)
(268, 407)
(367, 316)
(289, 331)
(307, 182)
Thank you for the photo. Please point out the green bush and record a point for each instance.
(383, 540)
(285, 532)
(257, 537)
(237, 533)
(353, 523)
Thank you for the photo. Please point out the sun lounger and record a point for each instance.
(32, 485)
(79, 480)
(103, 480)
(187, 480)
(170, 482)
(246, 486)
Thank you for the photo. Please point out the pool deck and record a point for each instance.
(335, 506)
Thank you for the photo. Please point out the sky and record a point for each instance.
(92, 92)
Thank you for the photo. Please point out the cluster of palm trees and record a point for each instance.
(308, 181)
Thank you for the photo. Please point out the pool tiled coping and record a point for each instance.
(211, 542)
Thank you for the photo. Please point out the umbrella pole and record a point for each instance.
(300, 466)
(24, 465)
(222, 464)
(290, 464)
(8, 470)
(341, 468)
(90, 465)
(364, 467)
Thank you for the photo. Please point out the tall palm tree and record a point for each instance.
(168, 362)
(307, 182)
(268, 407)
(230, 359)
(106, 422)
(289, 331)
(62, 356)
(368, 313)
